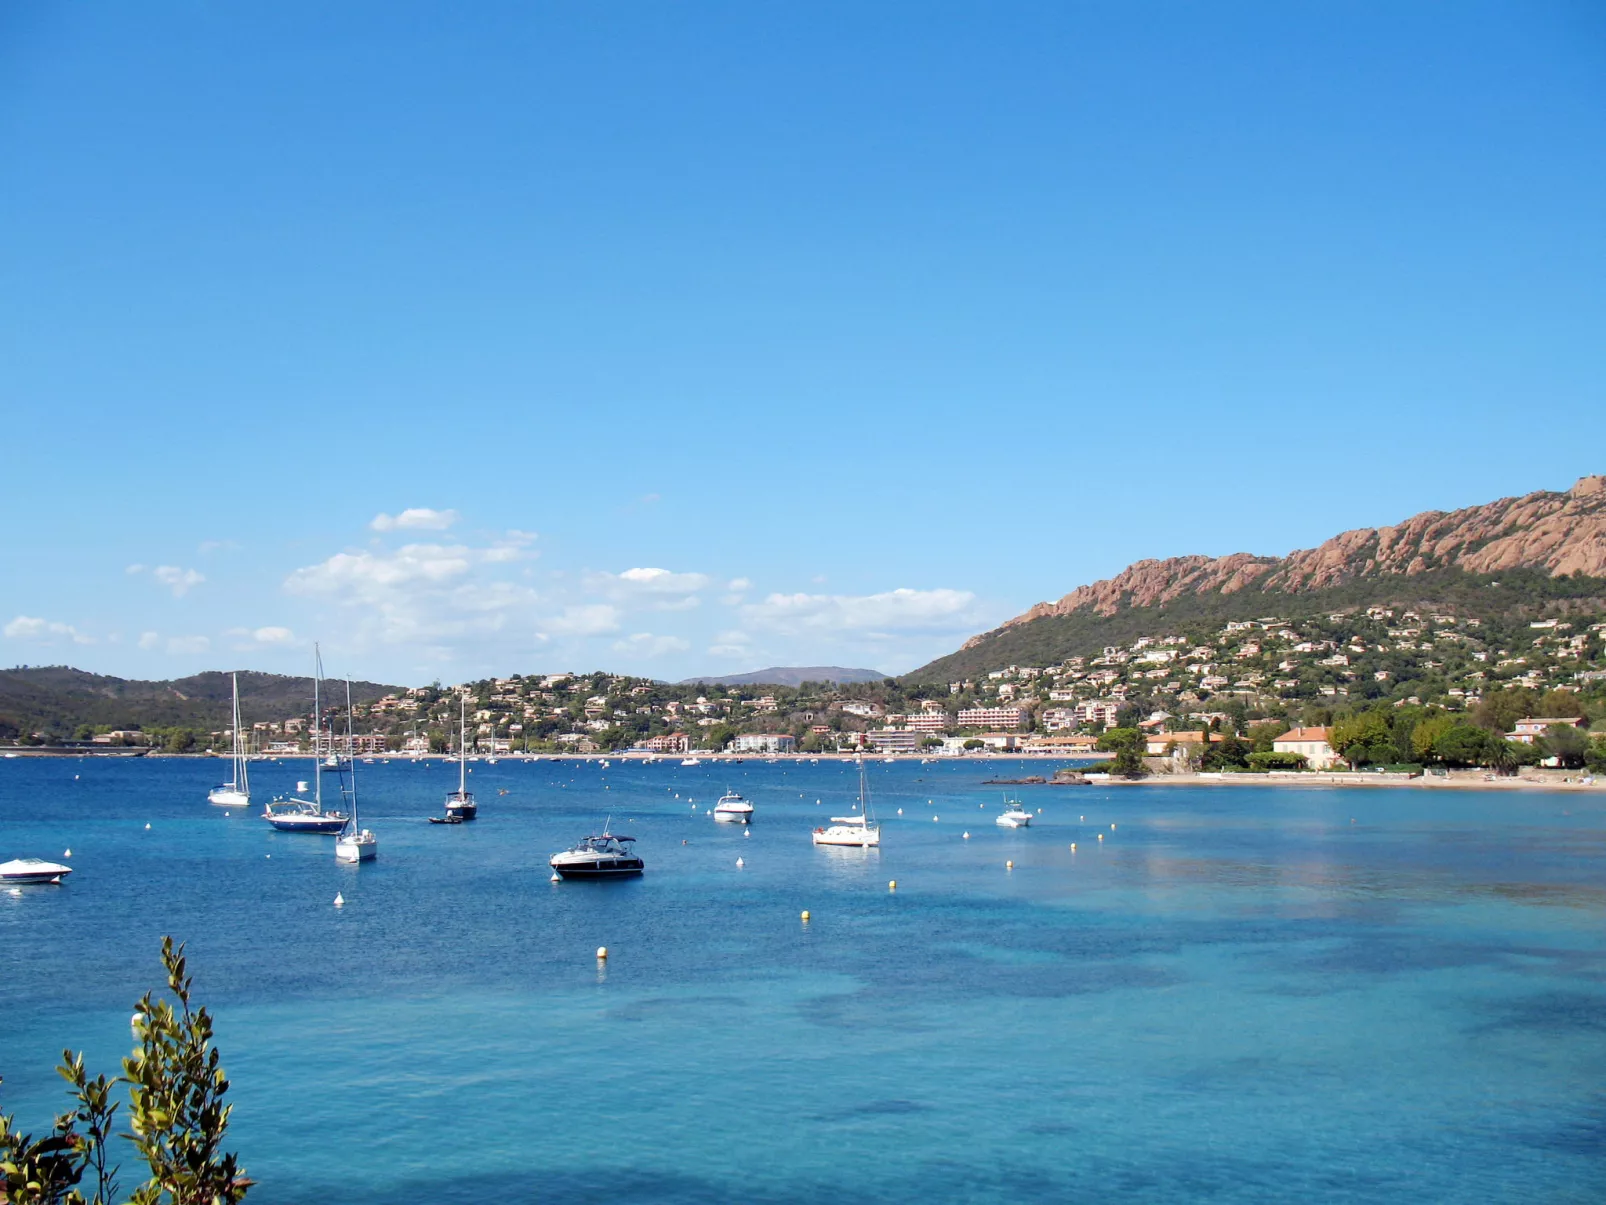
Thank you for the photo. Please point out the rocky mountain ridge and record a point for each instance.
(1559, 532)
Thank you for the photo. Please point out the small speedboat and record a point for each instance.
(691, 761)
(446, 819)
(1013, 815)
(603, 856)
(733, 809)
(32, 870)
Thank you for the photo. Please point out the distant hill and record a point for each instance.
(790, 675)
(1544, 550)
(56, 699)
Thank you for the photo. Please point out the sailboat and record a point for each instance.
(236, 793)
(355, 843)
(860, 829)
(294, 815)
(460, 803)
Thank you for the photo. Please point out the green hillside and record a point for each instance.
(56, 700)
(1512, 594)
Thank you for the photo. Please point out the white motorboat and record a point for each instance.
(1013, 815)
(601, 856)
(859, 830)
(355, 843)
(297, 815)
(460, 803)
(732, 808)
(691, 761)
(21, 871)
(236, 793)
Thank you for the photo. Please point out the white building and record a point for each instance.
(991, 717)
(1309, 743)
(764, 742)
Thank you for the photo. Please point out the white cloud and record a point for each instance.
(645, 644)
(894, 612)
(583, 619)
(180, 581)
(44, 631)
(733, 643)
(260, 636)
(739, 583)
(415, 518)
(423, 593)
(188, 645)
(639, 582)
(149, 640)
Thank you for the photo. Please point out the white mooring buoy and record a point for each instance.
(602, 953)
(740, 863)
(340, 900)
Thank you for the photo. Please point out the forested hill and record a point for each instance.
(57, 700)
(1543, 553)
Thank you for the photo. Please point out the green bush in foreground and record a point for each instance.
(176, 1117)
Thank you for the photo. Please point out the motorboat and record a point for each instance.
(21, 871)
(602, 856)
(1013, 815)
(236, 793)
(733, 809)
(298, 815)
(691, 761)
(859, 830)
(447, 819)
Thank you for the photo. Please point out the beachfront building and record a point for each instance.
(1532, 728)
(668, 742)
(1098, 711)
(991, 717)
(764, 742)
(895, 740)
(1309, 743)
(923, 721)
(1156, 743)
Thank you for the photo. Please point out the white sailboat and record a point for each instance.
(236, 793)
(296, 815)
(460, 803)
(857, 830)
(355, 843)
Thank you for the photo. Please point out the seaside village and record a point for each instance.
(1271, 691)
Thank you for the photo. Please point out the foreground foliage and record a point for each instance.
(177, 1117)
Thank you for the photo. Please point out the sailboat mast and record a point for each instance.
(317, 729)
(242, 780)
(351, 756)
(462, 744)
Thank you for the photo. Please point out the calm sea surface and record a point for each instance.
(1239, 994)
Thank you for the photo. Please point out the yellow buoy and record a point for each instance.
(1101, 836)
(1073, 846)
(602, 953)
(805, 914)
(892, 884)
(1112, 828)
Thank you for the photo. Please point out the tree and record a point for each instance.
(1261, 736)
(1568, 745)
(1595, 759)
(1463, 745)
(176, 1113)
(931, 742)
(1355, 737)
(1426, 735)
(1227, 754)
(1128, 745)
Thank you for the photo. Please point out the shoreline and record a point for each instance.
(1464, 781)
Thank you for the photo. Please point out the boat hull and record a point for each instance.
(463, 811)
(227, 797)
(30, 871)
(734, 817)
(362, 848)
(1013, 822)
(855, 838)
(619, 868)
(328, 825)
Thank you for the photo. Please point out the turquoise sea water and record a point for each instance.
(1240, 994)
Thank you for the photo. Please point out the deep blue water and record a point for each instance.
(1240, 994)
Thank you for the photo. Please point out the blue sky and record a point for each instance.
(686, 338)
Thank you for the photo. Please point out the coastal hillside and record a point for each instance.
(1542, 552)
(790, 675)
(57, 700)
